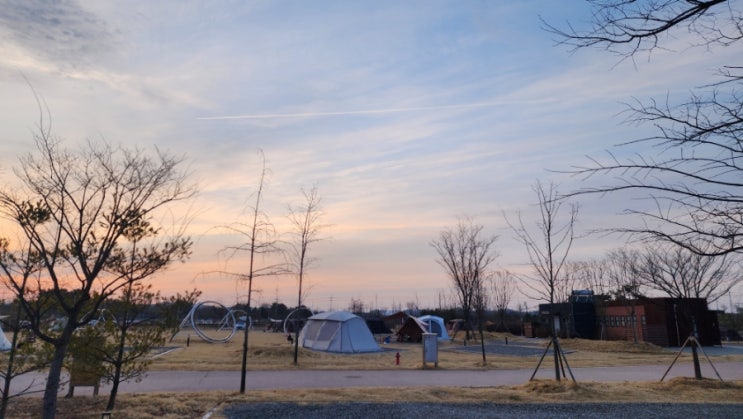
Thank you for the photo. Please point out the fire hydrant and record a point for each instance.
(397, 358)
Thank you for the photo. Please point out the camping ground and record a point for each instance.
(272, 351)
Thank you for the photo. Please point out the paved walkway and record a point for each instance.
(182, 381)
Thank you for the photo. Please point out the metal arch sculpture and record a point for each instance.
(226, 323)
(288, 318)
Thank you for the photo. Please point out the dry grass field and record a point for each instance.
(270, 351)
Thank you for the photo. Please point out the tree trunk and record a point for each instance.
(117, 372)
(695, 359)
(244, 363)
(555, 350)
(296, 344)
(49, 405)
(556, 353)
(114, 390)
(482, 343)
(9, 372)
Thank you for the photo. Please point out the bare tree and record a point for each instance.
(694, 178)
(680, 273)
(306, 228)
(628, 27)
(548, 245)
(356, 306)
(480, 302)
(446, 300)
(571, 277)
(261, 241)
(623, 274)
(502, 289)
(465, 253)
(74, 208)
(593, 275)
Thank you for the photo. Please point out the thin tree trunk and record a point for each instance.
(299, 306)
(49, 404)
(9, 373)
(244, 363)
(482, 342)
(117, 372)
(556, 354)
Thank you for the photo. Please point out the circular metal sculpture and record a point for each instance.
(296, 319)
(211, 321)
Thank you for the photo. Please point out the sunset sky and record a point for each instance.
(405, 114)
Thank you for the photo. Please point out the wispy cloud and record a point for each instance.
(60, 32)
(407, 114)
(371, 111)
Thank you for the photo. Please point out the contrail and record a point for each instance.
(362, 112)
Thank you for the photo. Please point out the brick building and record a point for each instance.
(662, 321)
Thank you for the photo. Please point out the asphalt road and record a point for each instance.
(186, 381)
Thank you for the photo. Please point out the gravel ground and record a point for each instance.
(483, 410)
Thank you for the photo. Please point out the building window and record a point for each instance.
(644, 320)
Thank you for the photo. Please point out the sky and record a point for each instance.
(406, 116)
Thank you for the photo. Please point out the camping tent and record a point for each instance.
(435, 325)
(395, 320)
(337, 331)
(5, 344)
(412, 330)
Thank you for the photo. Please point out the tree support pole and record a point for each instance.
(710, 363)
(697, 368)
(562, 353)
(540, 361)
(674, 360)
(559, 358)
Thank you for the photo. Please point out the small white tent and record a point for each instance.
(337, 331)
(435, 325)
(5, 344)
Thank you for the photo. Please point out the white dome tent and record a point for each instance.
(435, 325)
(337, 331)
